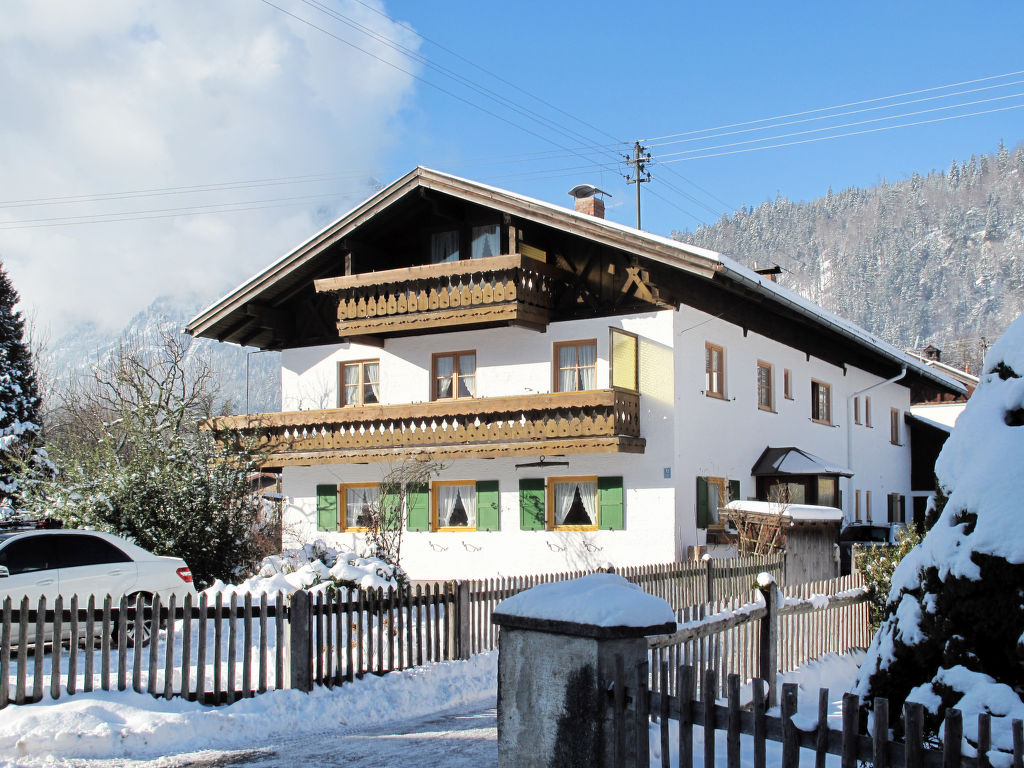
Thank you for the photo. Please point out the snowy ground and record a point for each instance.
(437, 715)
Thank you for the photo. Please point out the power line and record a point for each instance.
(839, 106)
(842, 135)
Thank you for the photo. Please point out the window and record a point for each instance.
(454, 505)
(360, 382)
(765, 387)
(624, 359)
(712, 493)
(821, 402)
(76, 551)
(454, 375)
(894, 426)
(35, 553)
(867, 506)
(361, 501)
(572, 503)
(714, 370)
(787, 383)
(444, 246)
(485, 241)
(867, 411)
(856, 505)
(577, 365)
(856, 410)
(896, 511)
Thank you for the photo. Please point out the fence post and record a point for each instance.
(300, 637)
(462, 619)
(768, 649)
(710, 577)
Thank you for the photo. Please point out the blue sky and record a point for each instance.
(193, 143)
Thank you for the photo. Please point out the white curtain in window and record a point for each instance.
(587, 361)
(372, 388)
(565, 497)
(360, 503)
(714, 501)
(456, 506)
(567, 369)
(444, 246)
(485, 241)
(351, 384)
(444, 367)
(467, 375)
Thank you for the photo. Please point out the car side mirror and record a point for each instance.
(4, 573)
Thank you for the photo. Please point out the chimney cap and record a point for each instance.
(586, 190)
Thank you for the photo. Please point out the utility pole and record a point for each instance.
(640, 175)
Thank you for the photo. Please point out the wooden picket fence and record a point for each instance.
(729, 635)
(218, 651)
(633, 705)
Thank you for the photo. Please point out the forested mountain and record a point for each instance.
(936, 258)
(75, 354)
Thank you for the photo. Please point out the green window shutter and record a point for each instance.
(702, 502)
(609, 504)
(734, 490)
(417, 507)
(488, 506)
(327, 507)
(532, 514)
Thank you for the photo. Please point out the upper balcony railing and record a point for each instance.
(599, 421)
(511, 289)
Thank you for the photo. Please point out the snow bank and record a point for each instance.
(128, 725)
(602, 599)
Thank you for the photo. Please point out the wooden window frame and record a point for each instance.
(770, 408)
(867, 506)
(708, 378)
(434, 518)
(814, 402)
(867, 411)
(787, 383)
(611, 358)
(895, 433)
(343, 525)
(856, 410)
(723, 489)
(362, 380)
(556, 369)
(856, 506)
(455, 375)
(465, 231)
(550, 491)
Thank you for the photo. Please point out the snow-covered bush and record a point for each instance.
(953, 635)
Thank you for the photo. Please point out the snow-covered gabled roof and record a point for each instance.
(298, 265)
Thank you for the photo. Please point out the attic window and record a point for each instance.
(444, 246)
(485, 241)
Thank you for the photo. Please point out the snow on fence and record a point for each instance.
(678, 714)
(729, 635)
(219, 651)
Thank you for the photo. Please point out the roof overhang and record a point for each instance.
(794, 461)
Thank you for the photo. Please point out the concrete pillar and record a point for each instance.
(554, 679)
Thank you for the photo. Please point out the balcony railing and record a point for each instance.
(600, 421)
(511, 289)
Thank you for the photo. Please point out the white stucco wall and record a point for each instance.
(688, 435)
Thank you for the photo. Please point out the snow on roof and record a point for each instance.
(601, 599)
(794, 461)
(798, 513)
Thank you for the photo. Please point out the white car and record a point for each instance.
(50, 562)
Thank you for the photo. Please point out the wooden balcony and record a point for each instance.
(499, 290)
(600, 421)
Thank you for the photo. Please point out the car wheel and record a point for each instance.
(136, 631)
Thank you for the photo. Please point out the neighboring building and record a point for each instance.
(595, 393)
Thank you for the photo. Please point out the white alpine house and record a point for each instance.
(594, 393)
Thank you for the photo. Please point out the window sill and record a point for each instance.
(823, 422)
(458, 529)
(715, 395)
(559, 528)
(766, 410)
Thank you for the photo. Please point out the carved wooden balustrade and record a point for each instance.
(506, 289)
(600, 421)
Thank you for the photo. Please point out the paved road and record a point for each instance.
(448, 740)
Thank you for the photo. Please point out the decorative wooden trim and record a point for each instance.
(555, 370)
(550, 490)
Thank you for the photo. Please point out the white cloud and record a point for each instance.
(136, 95)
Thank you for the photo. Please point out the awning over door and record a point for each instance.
(794, 461)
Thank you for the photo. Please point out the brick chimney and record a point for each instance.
(592, 206)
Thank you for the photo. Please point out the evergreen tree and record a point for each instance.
(22, 458)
